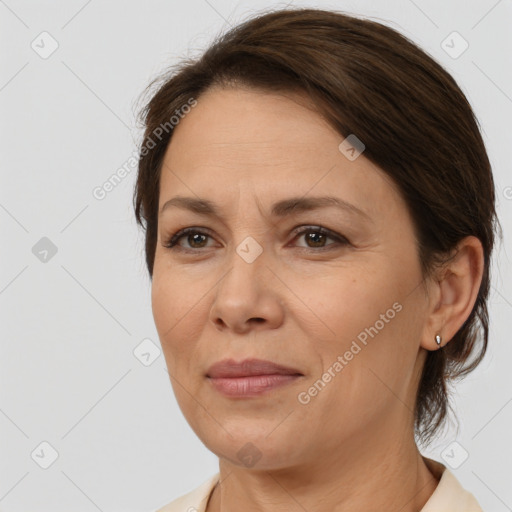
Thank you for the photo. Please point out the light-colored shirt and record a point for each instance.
(449, 495)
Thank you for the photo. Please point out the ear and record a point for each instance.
(453, 292)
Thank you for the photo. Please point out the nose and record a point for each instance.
(247, 297)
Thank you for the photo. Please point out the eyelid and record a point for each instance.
(329, 233)
(172, 241)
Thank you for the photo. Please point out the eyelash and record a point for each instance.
(171, 242)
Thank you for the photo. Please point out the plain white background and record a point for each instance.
(71, 321)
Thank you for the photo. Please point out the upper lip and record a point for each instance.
(247, 367)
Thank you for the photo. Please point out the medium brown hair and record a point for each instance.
(415, 122)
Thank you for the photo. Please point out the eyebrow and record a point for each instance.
(283, 208)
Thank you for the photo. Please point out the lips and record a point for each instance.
(229, 368)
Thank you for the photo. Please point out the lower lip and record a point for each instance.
(254, 385)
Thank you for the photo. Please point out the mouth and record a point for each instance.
(251, 377)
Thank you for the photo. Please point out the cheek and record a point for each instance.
(371, 326)
(342, 304)
(163, 297)
(169, 307)
(179, 307)
(379, 349)
(170, 298)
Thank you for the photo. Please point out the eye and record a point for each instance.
(316, 235)
(193, 235)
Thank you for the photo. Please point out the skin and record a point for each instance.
(352, 446)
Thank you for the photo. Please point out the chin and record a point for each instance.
(250, 449)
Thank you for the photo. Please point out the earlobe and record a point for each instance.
(457, 291)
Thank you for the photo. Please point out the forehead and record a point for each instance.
(253, 119)
(272, 143)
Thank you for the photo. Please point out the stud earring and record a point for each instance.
(438, 340)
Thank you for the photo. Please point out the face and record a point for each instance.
(330, 290)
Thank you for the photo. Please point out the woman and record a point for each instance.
(320, 214)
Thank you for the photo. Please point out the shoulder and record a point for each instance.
(195, 500)
(449, 495)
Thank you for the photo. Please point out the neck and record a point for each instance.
(363, 475)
